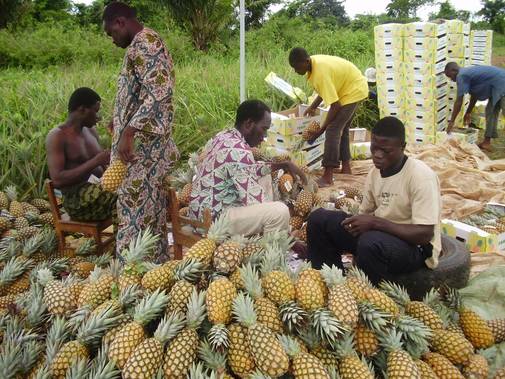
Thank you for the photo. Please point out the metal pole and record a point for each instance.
(242, 51)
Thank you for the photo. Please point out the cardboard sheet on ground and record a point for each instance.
(485, 295)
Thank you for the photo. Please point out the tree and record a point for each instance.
(203, 19)
(12, 11)
(51, 9)
(493, 11)
(445, 11)
(255, 11)
(404, 9)
(325, 9)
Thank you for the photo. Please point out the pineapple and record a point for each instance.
(425, 370)
(126, 318)
(500, 374)
(228, 256)
(311, 131)
(340, 299)
(399, 363)
(186, 273)
(286, 183)
(122, 299)
(475, 328)
(56, 295)
(15, 207)
(5, 223)
(88, 336)
(498, 329)
(476, 368)
(281, 158)
(185, 194)
(219, 301)
(147, 357)
(87, 246)
(240, 358)
(267, 351)
(353, 193)
(183, 349)
(184, 212)
(296, 222)
(367, 343)
(293, 316)
(25, 233)
(304, 202)
(252, 248)
(4, 200)
(30, 209)
(21, 223)
(310, 289)
(161, 277)
(452, 345)
(302, 236)
(13, 270)
(47, 218)
(351, 367)
(257, 154)
(304, 365)
(276, 283)
(317, 348)
(133, 334)
(113, 176)
(98, 289)
(236, 278)
(216, 361)
(203, 250)
(266, 310)
(441, 366)
(41, 204)
(137, 253)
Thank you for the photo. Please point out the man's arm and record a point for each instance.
(61, 177)
(471, 105)
(332, 113)
(312, 108)
(455, 111)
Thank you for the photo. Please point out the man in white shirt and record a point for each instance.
(397, 229)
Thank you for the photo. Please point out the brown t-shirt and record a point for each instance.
(411, 196)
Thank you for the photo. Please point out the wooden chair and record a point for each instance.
(64, 225)
(183, 237)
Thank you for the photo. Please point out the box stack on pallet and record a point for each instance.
(481, 46)
(426, 87)
(389, 67)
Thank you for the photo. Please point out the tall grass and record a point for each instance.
(33, 97)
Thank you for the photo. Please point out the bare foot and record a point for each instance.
(346, 168)
(322, 182)
(484, 146)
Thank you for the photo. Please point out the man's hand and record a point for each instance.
(125, 145)
(467, 119)
(110, 127)
(103, 158)
(450, 126)
(316, 136)
(295, 171)
(357, 225)
(309, 111)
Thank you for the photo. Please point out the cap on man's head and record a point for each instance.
(371, 75)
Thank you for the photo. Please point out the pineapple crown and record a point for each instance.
(280, 240)
(452, 298)
(356, 273)
(11, 192)
(115, 268)
(327, 326)
(78, 369)
(309, 337)
(50, 241)
(128, 296)
(29, 356)
(257, 374)
(333, 276)
(35, 307)
(416, 335)
(372, 317)
(11, 355)
(14, 268)
(96, 274)
(169, 327)
(33, 244)
(90, 332)
(9, 247)
(87, 247)
(101, 367)
(197, 370)
(140, 247)
(218, 231)
(290, 345)
(293, 316)
(345, 346)
(196, 310)
(150, 307)
(239, 239)
(251, 279)
(432, 298)
(273, 259)
(102, 260)
(398, 293)
(218, 337)
(57, 335)
(243, 310)
(391, 340)
(181, 177)
(215, 360)
(189, 269)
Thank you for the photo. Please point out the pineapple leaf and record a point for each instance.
(215, 360)
(327, 326)
(251, 279)
(150, 307)
(169, 327)
(78, 370)
(90, 332)
(9, 359)
(218, 337)
(243, 310)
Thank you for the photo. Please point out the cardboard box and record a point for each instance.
(422, 138)
(481, 34)
(427, 93)
(432, 117)
(457, 51)
(413, 103)
(291, 142)
(419, 80)
(294, 123)
(395, 101)
(391, 55)
(425, 43)
(388, 43)
(458, 40)
(426, 56)
(424, 68)
(358, 135)
(466, 29)
(389, 79)
(280, 84)
(454, 26)
(468, 135)
(425, 29)
(388, 67)
(388, 30)
(390, 89)
(299, 157)
(397, 112)
(360, 150)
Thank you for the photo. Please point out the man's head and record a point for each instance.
(119, 20)
(451, 70)
(84, 104)
(253, 120)
(299, 59)
(388, 143)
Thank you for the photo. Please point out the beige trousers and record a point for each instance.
(271, 216)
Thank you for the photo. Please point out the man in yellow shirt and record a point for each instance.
(397, 229)
(342, 86)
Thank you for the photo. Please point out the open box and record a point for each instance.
(293, 122)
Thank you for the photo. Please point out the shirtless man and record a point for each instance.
(74, 154)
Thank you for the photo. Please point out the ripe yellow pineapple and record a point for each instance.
(498, 329)
(228, 256)
(452, 345)
(56, 295)
(47, 218)
(358, 283)
(286, 183)
(311, 131)
(310, 289)
(5, 224)
(113, 176)
(441, 366)
(41, 204)
(340, 299)
(132, 334)
(266, 310)
(425, 370)
(400, 364)
(236, 278)
(304, 365)
(476, 368)
(147, 357)
(15, 207)
(367, 343)
(296, 222)
(183, 349)
(304, 202)
(257, 154)
(351, 367)
(417, 309)
(252, 248)
(98, 289)
(500, 374)
(475, 327)
(185, 194)
(266, 349)
(302, 235)
(20, 223)
(89, 333)
(186, 273)
(203, 250)
(281, 158)
(278, 287)
(4, 200)
(125, 318)
(240, 358)
(219, 300)
(161, 277)
(352, 192)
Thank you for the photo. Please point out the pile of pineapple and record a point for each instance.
(22, 219)
(491, 220)
(231, 308)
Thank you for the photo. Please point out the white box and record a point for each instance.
(418, 138)
(425, 43)
(388, 30)
(419, 80)
(358, 135)
(425, 29)
(413, 103)
(390, 101)
(427, 93)
(291, 142)
(458, 40)
(360, 150)
(280, 84)
(388, 43)
(430, 117)
(383, 67)
(389, 79)
(294, 123)
(454, 26)
(389, 55)
(466, 29)
(482, 33)
(397, 112)
(424, 68)
(427, 56)
(457, 51)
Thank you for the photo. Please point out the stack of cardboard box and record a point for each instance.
(481, 46)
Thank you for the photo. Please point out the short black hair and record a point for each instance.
(118, 9)
(250, 110)
(451, 66)
(298, 54)
(83, 96)
(389, 127)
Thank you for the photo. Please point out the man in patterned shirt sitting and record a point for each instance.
(229, 179)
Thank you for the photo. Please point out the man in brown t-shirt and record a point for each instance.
(397, 229)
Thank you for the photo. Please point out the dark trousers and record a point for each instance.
(336, 144)
(378, 254)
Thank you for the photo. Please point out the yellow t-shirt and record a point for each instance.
(411, 196)
(336, 79)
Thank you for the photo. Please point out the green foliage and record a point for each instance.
(493, 12)
(255, 11)
(404, 9)
(332, 11)
(13, 11)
